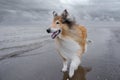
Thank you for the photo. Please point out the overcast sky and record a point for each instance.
(38, 11)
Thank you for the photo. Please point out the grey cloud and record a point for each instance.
(37, 11)
(14, 11)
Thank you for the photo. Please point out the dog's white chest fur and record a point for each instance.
(68, 47)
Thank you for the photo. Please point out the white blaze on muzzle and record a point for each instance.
(54, 29)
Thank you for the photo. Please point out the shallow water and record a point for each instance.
(28, 53)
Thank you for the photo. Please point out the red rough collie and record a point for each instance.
(70, 40)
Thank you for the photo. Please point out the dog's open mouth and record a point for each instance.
(54, 34)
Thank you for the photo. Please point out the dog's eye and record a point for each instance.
(57, 23)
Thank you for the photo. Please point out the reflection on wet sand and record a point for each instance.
(80, 74)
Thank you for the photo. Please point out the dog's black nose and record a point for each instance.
(48, 30)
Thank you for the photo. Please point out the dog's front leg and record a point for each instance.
(75, 62)
(65, 62)
(65, 65)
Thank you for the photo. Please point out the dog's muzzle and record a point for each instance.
(55, 33)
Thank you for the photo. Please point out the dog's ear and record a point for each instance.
(54, 14)
(65, 14)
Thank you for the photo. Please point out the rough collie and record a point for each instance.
(70, 39)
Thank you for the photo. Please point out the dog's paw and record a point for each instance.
(71, 73)
(64, 69)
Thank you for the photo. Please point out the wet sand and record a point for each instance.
(41, 62)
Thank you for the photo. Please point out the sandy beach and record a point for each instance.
(34, 57)
(27, 52)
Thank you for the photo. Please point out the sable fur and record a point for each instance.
(71, 42)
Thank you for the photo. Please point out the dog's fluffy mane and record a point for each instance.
(69, 21)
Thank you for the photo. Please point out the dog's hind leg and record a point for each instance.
(75, 62)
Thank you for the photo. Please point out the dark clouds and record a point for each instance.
(38, 11)
(25, 11)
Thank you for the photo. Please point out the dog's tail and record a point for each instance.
(89, 41)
